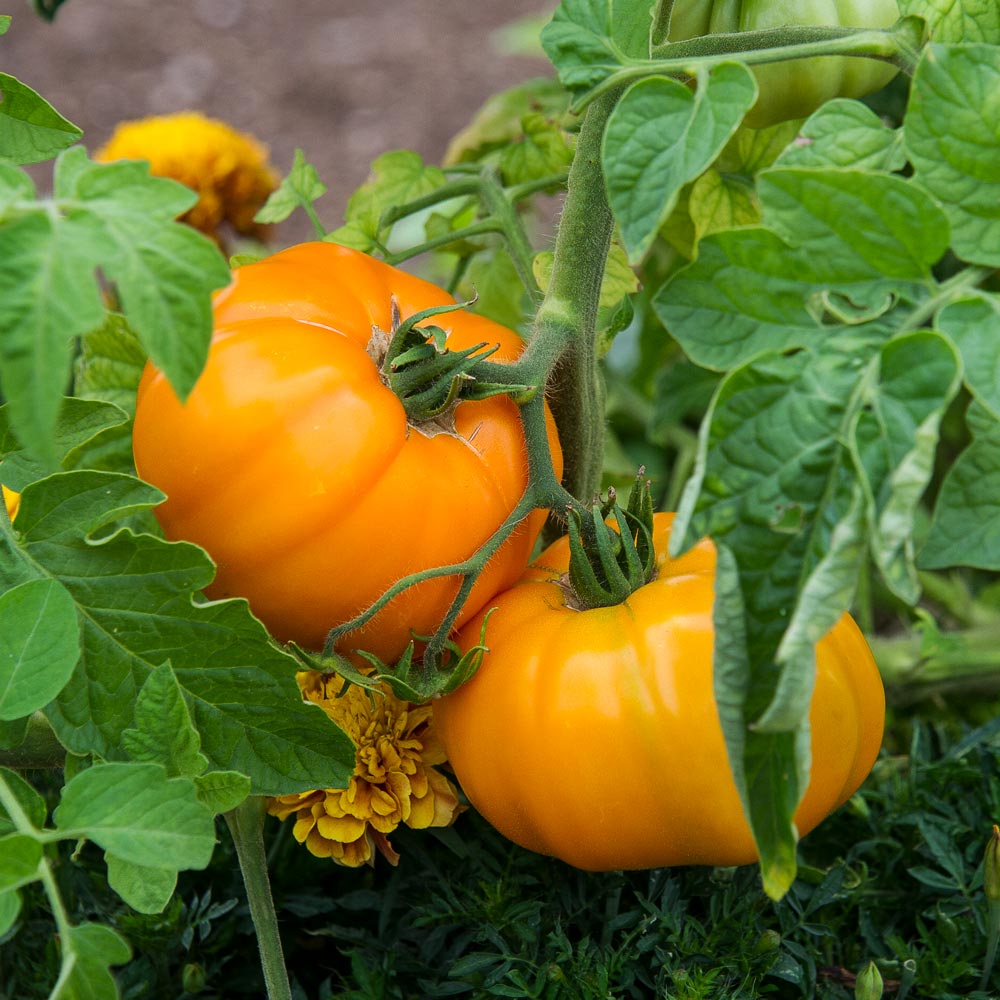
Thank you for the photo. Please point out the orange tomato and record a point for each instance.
(294, 466)
(593, 736)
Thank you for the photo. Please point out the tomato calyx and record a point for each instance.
(428, 377)
(411, 678)
(607, 565)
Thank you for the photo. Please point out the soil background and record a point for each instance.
(345, 80)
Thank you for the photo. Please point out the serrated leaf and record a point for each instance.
(845, 133)
(498, 122)
(118, 219)
(163, 732)
(770, 488)
(835, 241)
(77, 422)
(20, 857)
(542, 148)
(135, 595)
(39, 645)
(108, 368)
(221, 791)
(965, 21)
(31, 130)
(298, 189)
(588, 40)
(95, 948)
(954, 145)
(396, 178)
(660, 137)
(145, 889)
(895, 441)
(137, 813)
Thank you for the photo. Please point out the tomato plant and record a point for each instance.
(295, 466)
(593, 735)
(794, 88)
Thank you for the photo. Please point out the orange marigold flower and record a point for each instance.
(228, 169)
(12, 501)
(394, 778)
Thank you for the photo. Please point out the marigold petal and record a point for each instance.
(341, 828)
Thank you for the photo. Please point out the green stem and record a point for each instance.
(455, 236)
(463, 187)
(565, 327)
(992, 938)
(499, 205)
(246, 825)
(956, 286)
(898, 45)
(318, 226)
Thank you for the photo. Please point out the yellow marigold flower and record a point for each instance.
(228, 169)
(394, 779)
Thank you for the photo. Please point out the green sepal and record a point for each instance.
(428, 377)
(410, 679)
(606, 566)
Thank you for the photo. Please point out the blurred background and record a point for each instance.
(345, 80)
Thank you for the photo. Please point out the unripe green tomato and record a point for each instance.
(797, 87)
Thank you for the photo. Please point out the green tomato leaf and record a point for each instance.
(965, 529)
(145, 889)
(4, 23)
(661, 136)
(78, 421)
(163, 732)
(396, 178)
(895, 442)
(118, 219)
(221, 791)
(954, 144)
(845, 133)
(108, 369)
(10, 910)
(31, 130)
(497, 123)
(299, 188)
(137, 813)
(31, 802)
(964, 21)
(135, 595)
(541, 148)
(20, 859)
(89, 954)
(588, 40)
(837, 244)
(973, 326)
(39, 645)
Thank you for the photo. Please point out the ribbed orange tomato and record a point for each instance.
(294, 466)
(593, 736)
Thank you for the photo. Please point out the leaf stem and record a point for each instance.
(246, 825)
(445, 239)
(947, 291)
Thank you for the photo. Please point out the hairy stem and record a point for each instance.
(246, 825)
(565, 327)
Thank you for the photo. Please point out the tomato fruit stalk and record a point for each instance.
(295, 466)
(593, 735)
(794, 88)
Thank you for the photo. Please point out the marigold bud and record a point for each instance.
(869, 983)
(991, 867)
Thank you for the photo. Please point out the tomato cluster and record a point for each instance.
(591, 735)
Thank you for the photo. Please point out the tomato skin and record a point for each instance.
(592, 736)
(294, 466)
(797, 87)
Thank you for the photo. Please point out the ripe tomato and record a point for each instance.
(294, 465)
(593, 736)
